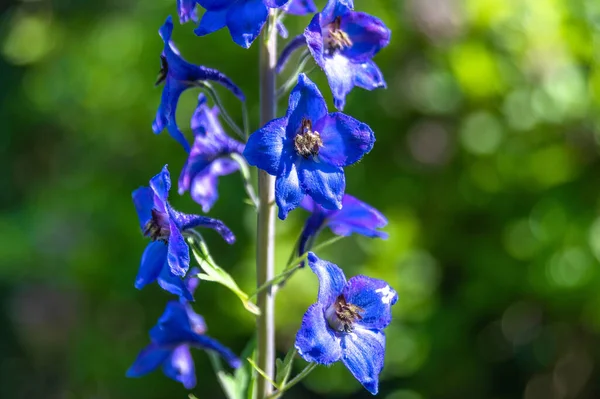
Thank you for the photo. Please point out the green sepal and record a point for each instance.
(284, 367)
(237, 384)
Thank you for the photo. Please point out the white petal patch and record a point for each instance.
(386, 294)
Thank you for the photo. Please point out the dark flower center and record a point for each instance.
(342, 315)
(336, 39)
(164, 69)
(307, 142)
(157, 228)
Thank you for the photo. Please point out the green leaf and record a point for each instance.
(214, 273)
(284, 367)
(234, 385)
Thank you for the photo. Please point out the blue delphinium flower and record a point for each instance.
(342, 42)
(209, 157)
(187, 10)
(354, 217)
(307, 149)
(179, 75)
(178, 330)
(300, 7)
(167, 257)
(347, 322)
(244, 18)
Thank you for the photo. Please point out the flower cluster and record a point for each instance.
(306, 150)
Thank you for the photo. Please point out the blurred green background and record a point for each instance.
(486, 164)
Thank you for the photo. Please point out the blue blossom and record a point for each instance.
(178, 330)
(209, 157)
(354, 217)
(179, 75)
(167, 257)
(300, 7)
(342, 42)
(187, 10)
(244, 18)
(347, 322)
(307, 149)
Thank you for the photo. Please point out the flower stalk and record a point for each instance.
(265, 246)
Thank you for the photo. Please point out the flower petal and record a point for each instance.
(275, 3)
(357, 217)
(375, 297)
(215, 4)
(161, 184)
(306, 102)
(315, 341)
(153, 261)
(331, 279)
(165, 115)
(204, 190)
(173, 326)
(186, 222)
(179, 252)
(208, 343)
(180, 366)
(281, 29)
(335, 8)
(174, 284)
(245, 20)
(301, 7)
(311, 230)
(143, 200)
(192, 281)
(187, 11)
(364, 351)
(288, 193)
(288, 50)
(367, 33)
(345, 139)
(148, 360)
(325, 183)
(212, 21)
(314, 39)
(265, 146)
(368, 76)
(339, 72)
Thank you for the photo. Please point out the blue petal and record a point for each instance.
(345, 139)
(288, 50)
(340, 75)
(148, 360)
(165, 116)
(265, 146)
(245, 20)
(325, 183)
(192, 281)
(357, 217)
(173, 284)
(180, 367)
(275, 3)
(331, 279)
(314, 39)
(212, 21)
(153, 261)
(166, 29)
(208, 343)
(143, 200)
(179, 252)
(336, 8)
(364, 351)
(161, 184)
(215, 4)
(187, 11)
(173, 327)
(281, 29)
(315, 341)
(306, 102)
(368, 76)
(375, 297)
(186, 222)
(367, 33)
(288, 193)
(205, 120)
(301, 7)
(311, 229)
(203, 189)
(197, 322)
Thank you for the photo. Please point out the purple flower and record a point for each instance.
(300, 7)
(307, 149)
(177, 330)
(179, 75)
(244, 18)
(167, 257)
(209, 157)
(187, 10)
(342, 42)
(354, 217)
(347, 322)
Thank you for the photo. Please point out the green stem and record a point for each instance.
(245, 171)
(210, 90)
(265, 242)
(299, 377)
(304, 58)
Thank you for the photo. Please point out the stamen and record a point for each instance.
(342, 315)
(157, 228)
(336, 39)
(307, 142)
